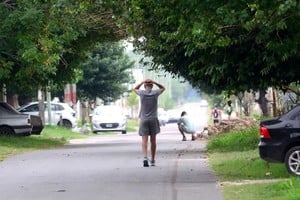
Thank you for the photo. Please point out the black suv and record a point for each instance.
(280, 140)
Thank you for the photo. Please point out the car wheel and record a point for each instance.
(66, 123)
(124, 132)
(4, 130)
(292, 161)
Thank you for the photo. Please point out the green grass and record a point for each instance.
(132, 125)
(283, 190)
(58, 132)
(234, 157)
(51, 136)
(232, 166)
(235, 141)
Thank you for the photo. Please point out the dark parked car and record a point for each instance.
(280, 140)
(12, 122)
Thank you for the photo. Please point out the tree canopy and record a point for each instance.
(43, 42)
(105, 74)
(217, 45)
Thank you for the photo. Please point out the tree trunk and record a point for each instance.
(12, 99)
(4, 93)
(274, 95)
(263, 102)
(41, 99)
(83, 112)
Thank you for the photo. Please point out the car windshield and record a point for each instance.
(292, 114)
(4, 107)
(108, 110)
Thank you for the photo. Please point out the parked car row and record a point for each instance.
(13, 122)
(26, 119)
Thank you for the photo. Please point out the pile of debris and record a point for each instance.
(226, 126)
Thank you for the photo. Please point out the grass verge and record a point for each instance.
(282, 190)
(132, 125)
(234, 158)
(52, 136)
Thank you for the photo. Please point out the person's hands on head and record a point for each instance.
(148, 81)
(148, 84)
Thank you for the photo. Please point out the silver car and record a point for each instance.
(109, 118)
(12, 122)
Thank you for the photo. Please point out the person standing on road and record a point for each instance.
(149, 124)
(185, 125)
(228, 109)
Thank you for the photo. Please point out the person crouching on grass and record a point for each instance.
(149, 124)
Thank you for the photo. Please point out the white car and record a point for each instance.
(174, 115)
(163, 116)
(109, 118)
(61, 113)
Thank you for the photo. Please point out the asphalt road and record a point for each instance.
(110, 167)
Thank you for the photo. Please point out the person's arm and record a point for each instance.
(160, 86)
(137, 87)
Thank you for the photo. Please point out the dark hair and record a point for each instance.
(148, 84)
(183, 113)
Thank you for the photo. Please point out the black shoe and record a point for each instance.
(152, 163)
(146, 164)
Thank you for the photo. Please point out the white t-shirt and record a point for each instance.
(186, 124)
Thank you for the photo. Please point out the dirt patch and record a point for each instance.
(226, 126)
(244, 182)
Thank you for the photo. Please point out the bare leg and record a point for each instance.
(182, 133)
(145, 145)
(193, 137)
(153, 146)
